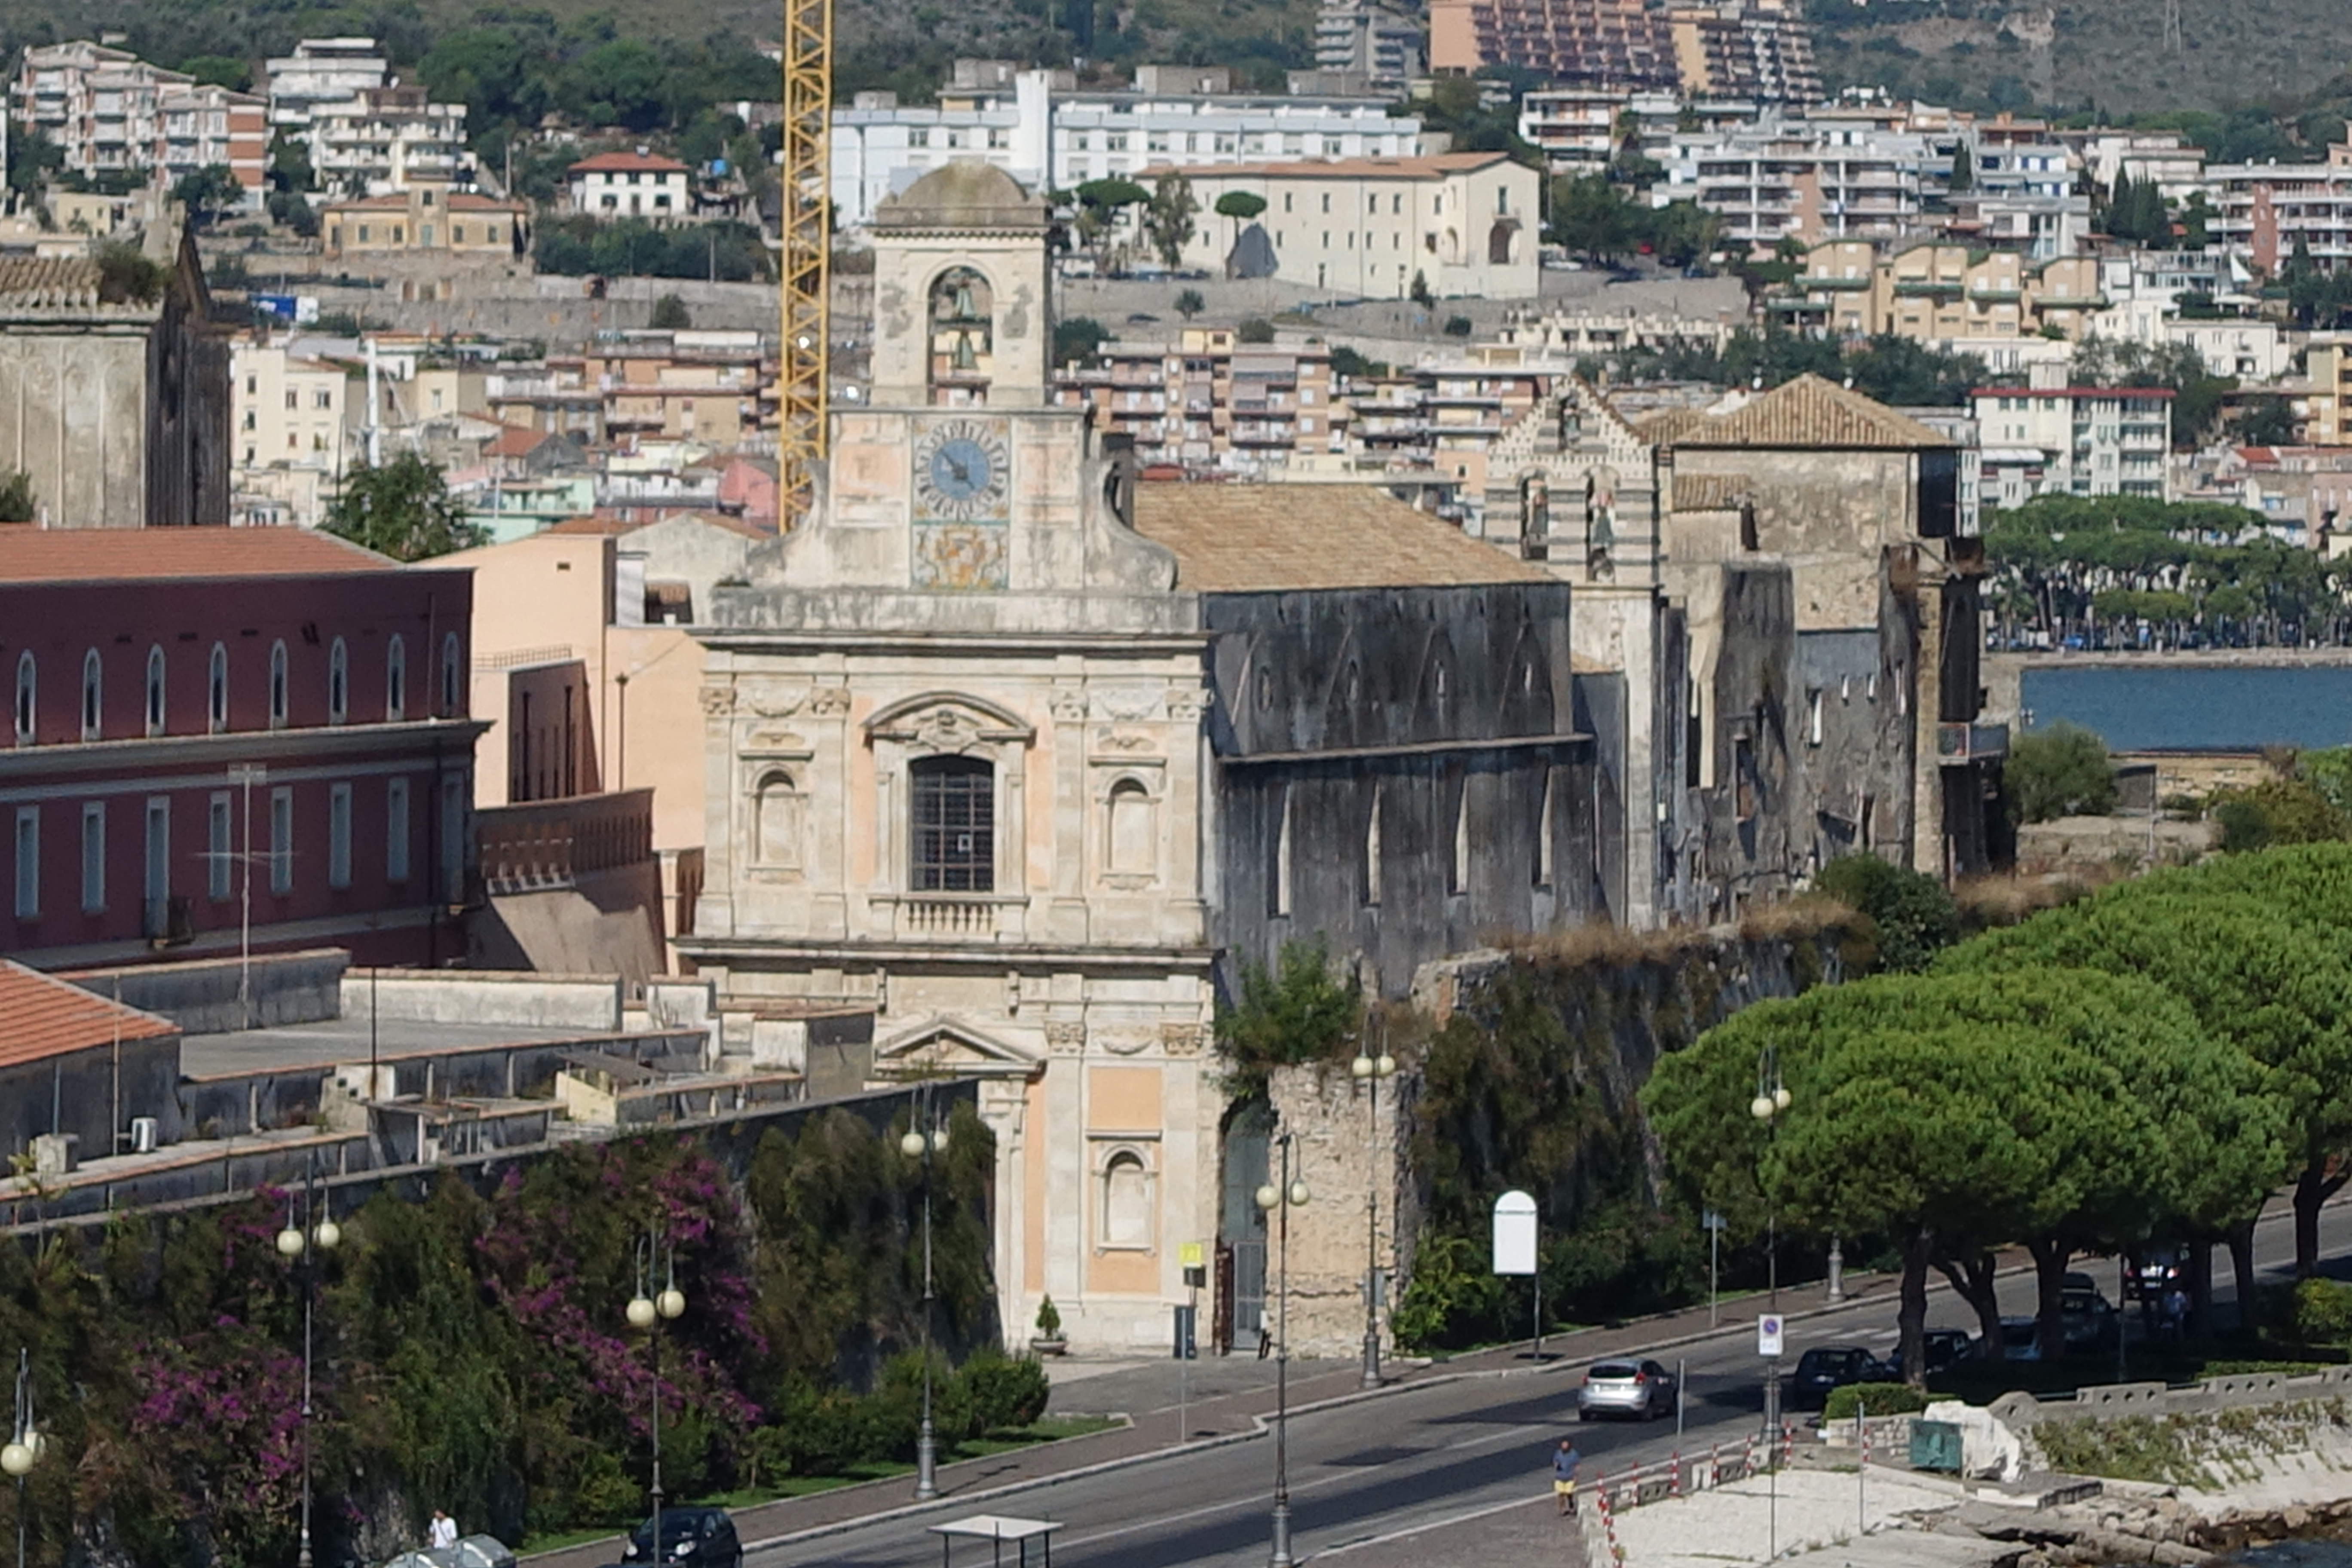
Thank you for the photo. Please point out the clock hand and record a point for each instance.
(963, 474)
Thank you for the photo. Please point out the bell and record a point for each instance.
(964, 307)
(963, 358)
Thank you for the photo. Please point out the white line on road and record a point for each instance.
(1440, 1523)
(1514, 1434)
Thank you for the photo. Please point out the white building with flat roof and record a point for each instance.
(321, 71)
(1051, 139)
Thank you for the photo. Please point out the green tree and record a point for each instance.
(1458, 326)
(1419, 293)
(1100, 204)
(32, 156)
(403, 509)
(1297, 1012)
(207, 192)
(1077, 340)
(1912, 916)
(1168, 217)
(17, 503)
(670, 315)
(2277, 812)
(1964, 171)
(220, 70)
(1239, 206)
(2060, 771)
(1256, 329)
(1188, 303)
(1591, 216)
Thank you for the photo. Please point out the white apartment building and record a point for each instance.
(383, 140)
(1058, 138)
(287, 433)
(631, 185)
(103, 107)
(1581, 130)
(2175, 163)
(1464, 222)
(1809, 178)
(2091, 441)
(321, 71)
(1360, 39)
(2263, 209)
(208, 126)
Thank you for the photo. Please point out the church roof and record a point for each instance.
(965, 195)
(1254, 538)
(1811, 411)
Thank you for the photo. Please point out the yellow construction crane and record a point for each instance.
(808, 252)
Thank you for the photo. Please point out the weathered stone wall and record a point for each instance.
(1348, 1148)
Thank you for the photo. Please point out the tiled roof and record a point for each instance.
(1811, 411)
(1709, 492)
(456, 201)
(623, 163)
(602, 523)
(516, 441)
(34, 554)
(41, 1016)
(1667, 423)
(1245, 538)
(1435, 166)
(48, 282)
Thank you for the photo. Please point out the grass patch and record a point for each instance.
(2206, 1452)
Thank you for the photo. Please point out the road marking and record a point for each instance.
(1514, 1434)
(1451, 1519)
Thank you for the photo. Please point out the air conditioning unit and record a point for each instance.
(145, 1132)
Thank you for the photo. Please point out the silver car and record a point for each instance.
(1642, 1389)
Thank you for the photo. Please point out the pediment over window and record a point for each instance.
(950, 721)
(938, 1046)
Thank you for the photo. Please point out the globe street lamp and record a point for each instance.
(1368, 1070)
(24, 1446)
(647, 1308)
(301, 1245)
(1281, 1197)
(1771, 1103)
(925, 1138)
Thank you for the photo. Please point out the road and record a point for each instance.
(1413, 1462)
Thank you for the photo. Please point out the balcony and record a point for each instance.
(954, 917)
(551, 844)
(1958, 745)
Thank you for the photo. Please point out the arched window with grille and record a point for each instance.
(216, 689)
(155, 713)
(93, 707)
(278, 690)
(396, 680)
(954, 806)
(27, 690)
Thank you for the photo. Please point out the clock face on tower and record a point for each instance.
(962, 471)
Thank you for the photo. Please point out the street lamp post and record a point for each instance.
(1772, 1099)
(1272, 1197)
(1368, 1071)
(25, 1444)
(646, 1308)
(926, 1137)
(301, 1244)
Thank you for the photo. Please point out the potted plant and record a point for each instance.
(1049, 1340)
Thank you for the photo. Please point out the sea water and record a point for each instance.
(2227, 708)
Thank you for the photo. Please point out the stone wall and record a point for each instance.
(1346, 1154)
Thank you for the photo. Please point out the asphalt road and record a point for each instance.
(1412, 1462)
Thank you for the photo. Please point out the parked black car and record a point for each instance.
(1826, 1367)
(690, 1538)
(1943, 1347)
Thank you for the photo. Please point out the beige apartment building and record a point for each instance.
(1208, 401)
(1463, 223)
(426, 219)
(287, 429)
(1934, 293)
(2328, 370)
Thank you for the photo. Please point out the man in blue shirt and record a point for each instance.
(1563, 1474)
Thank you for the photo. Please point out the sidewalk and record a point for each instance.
(1217, 1418)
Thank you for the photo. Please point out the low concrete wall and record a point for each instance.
(2020, 1412)
(202, 997)
(494, 996)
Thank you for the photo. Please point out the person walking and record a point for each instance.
(1563, 1474)
(444, 1529)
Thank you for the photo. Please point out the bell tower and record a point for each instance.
(960, 301)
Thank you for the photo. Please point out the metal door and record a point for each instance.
(1241, 1223)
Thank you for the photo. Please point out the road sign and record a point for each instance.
(1515, 1233)
(1710, 1220)
(1768, 1335)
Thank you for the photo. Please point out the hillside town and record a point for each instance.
(827, 787)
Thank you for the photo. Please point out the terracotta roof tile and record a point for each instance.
(516, 441)
(1709, 492)
(1667, 423)
(622, 163)
(32, 554)
(1811, 411)
(41, 1016)
(1435, 166)
(1246, 538)
(49, 283)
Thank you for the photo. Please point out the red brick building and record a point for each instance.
(207, 720)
